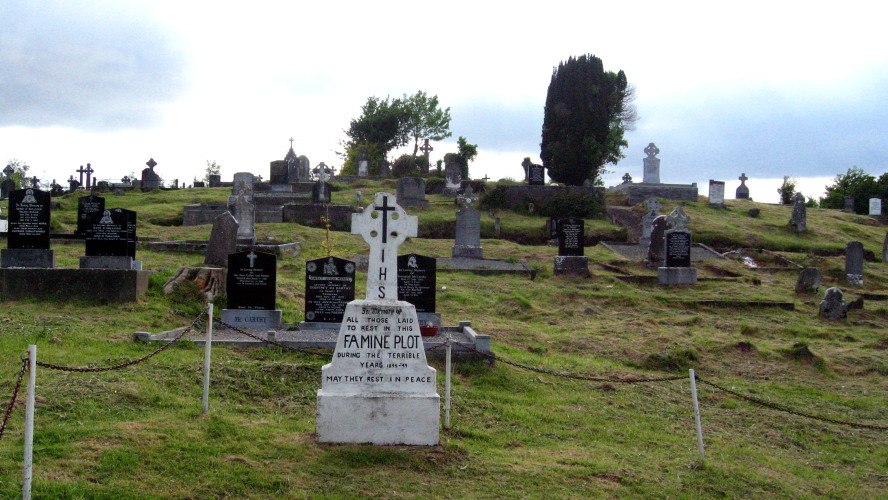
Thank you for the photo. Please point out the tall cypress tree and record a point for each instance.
(587, 110)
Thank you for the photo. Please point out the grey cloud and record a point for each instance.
(500, 127)
(84, 67)
(764, 135)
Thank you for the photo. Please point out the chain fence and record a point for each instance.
(15, 391)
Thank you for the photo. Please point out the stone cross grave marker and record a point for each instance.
(89, 170)
(426, 150)
(651, 164)
(653, 207)
(742, 192)
(384, 225)
(378, 388)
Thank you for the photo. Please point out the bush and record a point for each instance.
(434, 185)
(494, 198)
(405, 166)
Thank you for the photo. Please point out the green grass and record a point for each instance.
(139, 432)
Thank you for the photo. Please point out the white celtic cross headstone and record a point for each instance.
(379, 388)
(384, 226)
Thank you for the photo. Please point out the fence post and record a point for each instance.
(697, 415)
(208, 346)
(29, 423)
(447, 386)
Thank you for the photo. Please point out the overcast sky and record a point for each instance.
(763, 88)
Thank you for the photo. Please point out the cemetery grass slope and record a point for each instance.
(139, 432)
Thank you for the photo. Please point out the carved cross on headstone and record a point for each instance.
(35, 182)
(252, 257)
(653, 204)
(384, 225)
(678, 219)
(468, 199)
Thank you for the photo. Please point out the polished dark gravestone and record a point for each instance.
(329, 287)
(571, 259)
(28, 230)
(416, 281)
(87, 208)
(570, 237)
(251, 286)
(678, 249)
(111, 241)
(536, 175)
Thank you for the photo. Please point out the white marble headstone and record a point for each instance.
(875, 206)
(379, 388)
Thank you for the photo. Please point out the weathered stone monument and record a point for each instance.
(150, 179)
(329, 287)
(241, 206)
(452, 178)
(571, 259)
(411, 192)
(651, 185)
(8, 185)
(653, 207)
(875, 206)
(251, 287)
(223, 240)
(320, 192)
(833, 305)
(467, 242)
(854, 263)
(717, 193)
(379, 388)
(28, 230)
(849, 204)
(742, 192)
(651, 164)
(677, 269)
(809, 280)
(657, 243)
(799, 220)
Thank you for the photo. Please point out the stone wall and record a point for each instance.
(518, 195)
(310, 215)
(638, 192)
(99, 285)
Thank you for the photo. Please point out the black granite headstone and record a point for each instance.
(131, 238)
(28, 221)
(87, 208)
(536, 175)
(329, 286)
(416, 281)
(251, 281)
(570, 237)
(678, 249)
(107, 234)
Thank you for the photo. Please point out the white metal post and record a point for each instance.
(447, 388)
(208, 346)
(697, 415)
(29, 423)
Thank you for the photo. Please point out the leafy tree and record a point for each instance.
(213, 168)
(587, 111)
(426, 120)
(405, 166)
(20, 173)
(467, 153)
(857, 183)
(786, 190)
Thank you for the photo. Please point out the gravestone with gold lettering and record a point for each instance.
(379, 389)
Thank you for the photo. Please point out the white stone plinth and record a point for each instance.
(381, 419)
(677, 275)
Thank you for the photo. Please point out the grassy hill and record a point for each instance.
(139, 432)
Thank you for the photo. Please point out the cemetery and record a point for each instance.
(572, 384)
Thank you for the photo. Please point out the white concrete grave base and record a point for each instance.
(379, 389)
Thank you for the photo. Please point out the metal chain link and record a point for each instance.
(128, 363)
(18, 386)
(775, 406)
(570, 375)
